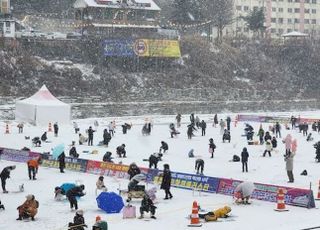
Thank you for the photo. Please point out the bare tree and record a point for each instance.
(219, 12)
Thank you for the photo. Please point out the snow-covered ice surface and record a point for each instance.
(170, 213)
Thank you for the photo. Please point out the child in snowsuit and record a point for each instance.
(147, 206)
(1, 205)
(78, 221)
(29, 208)
(72, 193)
(4, 175)
(100, 184)
(214, 215)
(133, 170)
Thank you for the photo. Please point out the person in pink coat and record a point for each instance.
(294, 146)
(288, 142)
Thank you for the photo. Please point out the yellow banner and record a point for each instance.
(157, 48)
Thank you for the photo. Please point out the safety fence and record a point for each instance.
(265, 192)
(273, 119)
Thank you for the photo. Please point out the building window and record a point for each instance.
(274, 9)
(280, 31)
(273, 30)
(289, 21)
(280, 20)
(297, 10)
(314, 11)
(313, 21)
(289, 30)
(306, 21)
(314, 1)
(289, 10)
(306, 1)
(255, 8)
(280, 10)
(273, 20)
(307, 11)
(246, 8)
(290, 0)
(296, 20)
(296, 0)
(238, 8)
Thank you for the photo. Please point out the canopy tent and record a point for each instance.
(42, 108)
(295, 34)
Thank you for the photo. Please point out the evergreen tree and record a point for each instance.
(255, 20)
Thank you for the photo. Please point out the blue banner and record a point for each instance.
(118, 48)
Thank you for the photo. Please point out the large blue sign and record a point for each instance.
(118, 48)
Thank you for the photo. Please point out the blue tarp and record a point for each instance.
(110, 202)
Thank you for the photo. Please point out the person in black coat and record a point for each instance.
(203, 126)
(147, 205)
(267, 137)
(317, 147)
(274, 142)
(73, 152)
(244, 159)
(78, 221)
(212, 147)
(278, 128)
(62, 163)
(44, 136)
(55, 129)
(190, 130)
(226, 136)
(199, 166)
(90, 136)
(166, 181)
(4, 175)
(73, 193)
(164, 146)
(154, 159)
(228, 123)
(107, 157)
(133, 170)
(1, 206)
(121, 150)
(106, 137)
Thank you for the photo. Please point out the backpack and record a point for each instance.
(235, 158)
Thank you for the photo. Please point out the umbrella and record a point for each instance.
(139, 177)
(110, 202)
(57, 150)
(246, 188)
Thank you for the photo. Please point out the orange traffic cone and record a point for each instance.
(318, 196)
(195, 222)
(50, 127)
(7, 129)
(281, 206)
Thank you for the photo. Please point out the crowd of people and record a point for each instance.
(269, 138)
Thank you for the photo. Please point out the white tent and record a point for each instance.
(42, 108)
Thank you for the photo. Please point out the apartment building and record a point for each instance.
(281, 16)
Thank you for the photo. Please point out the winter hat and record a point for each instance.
(304, 173)
(98, 218)
(101, 177)
(30, 197)
(80, 212)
